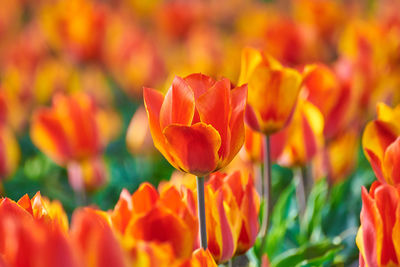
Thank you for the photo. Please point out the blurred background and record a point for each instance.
(71, 79)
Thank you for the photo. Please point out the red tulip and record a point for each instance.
(378, 235)
(198, 125)
(273, 91)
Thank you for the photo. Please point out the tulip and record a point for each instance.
(130, 55)
(45, 210)
(324, 88)
(198, 126)
(381, 143)
(152, 217)
(81, 39)
(273, 91)
(32, 235)
(247, 200)
(70, 133)
(332, 163)
(9, 152)
(223, 223)
(378, 235)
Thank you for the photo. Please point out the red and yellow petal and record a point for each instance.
(178, 106)
(199, 83)
(194, 148)
(153, 101)
(391, 163)
(214, 107)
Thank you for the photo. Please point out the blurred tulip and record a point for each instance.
(138, 137)
(152, 217)
(200, 258)
(27, 236)
(131, 56)
(273, 91)
(381, 144)
(70, 134)
(302, 138)
(80, 36)
(332, 163)
(322, 87)
(94, 240)
(198, 126)
(326, 16)
(9, 152)
(43, 209)
(378, 235)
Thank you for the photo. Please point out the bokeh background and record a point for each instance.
(106, 51)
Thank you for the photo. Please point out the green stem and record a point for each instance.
(300, 191)
(202, 212)
(266, 185)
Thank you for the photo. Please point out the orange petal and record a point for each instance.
(199, 83)
(195, 148)
(387, 200)
(376, 138)
(153, 101)
(160, 225)
(214, 107)
(94, 239)
(372, 230)
(48, 135)
(391, 163)
(251, 58)
(144, 198)
(122, 212)
(178, 105)
(236, 122)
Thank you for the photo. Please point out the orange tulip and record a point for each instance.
(302, 138)
(223, 223)
(273, 91)
(198, 125)
(381, 144)
(248, 202)
(152, 217)
(130, 55)
(93, 239)
(336, 101)
(80, 38)
(379, 233)
(70, 134)
(28, 236)
(45, 210)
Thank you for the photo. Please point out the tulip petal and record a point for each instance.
(391, 163)
(178, 105)
(236, 123)
(251, 58)
(386, 198)
(214, 107)
(195, 147)
(161, 225)
(199, 83)
(376, 138)
(144, 198)
(372, 230)
(153, 101)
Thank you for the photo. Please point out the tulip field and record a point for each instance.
(191, 133)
